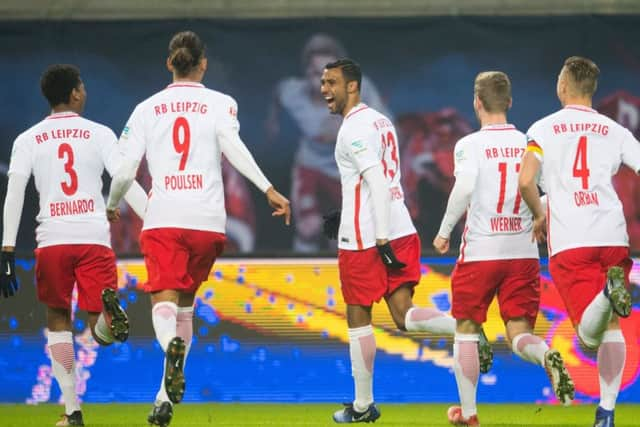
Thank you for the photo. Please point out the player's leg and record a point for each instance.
(204, 247)
(608, 292)
(55, 280)
(63, 363)
(166, 260)
(519, 300)
(363, 281)
(473, 286)
(612, 353)
(97, 276)
(580, 279)
(612, 350)
(466, 368)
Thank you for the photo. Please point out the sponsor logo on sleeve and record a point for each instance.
(358, 146)
(125, 132)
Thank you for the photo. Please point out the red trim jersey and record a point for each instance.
(67, 155)
(580, 150)
(368, 138)
(499, 223)
(177, 129)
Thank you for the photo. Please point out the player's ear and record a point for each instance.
(352, 86)
(169, 65)
(477, 105)
(203, 64)
(510, 103)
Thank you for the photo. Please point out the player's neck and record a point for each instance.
(585, 102)
(195, 77)
(65, 108)
(488, 119)
(352, 101)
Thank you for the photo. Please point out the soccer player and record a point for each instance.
(497, 255)
(67, 154)
(184, 130)
(379, 249)
(577, 150)
(315, 177)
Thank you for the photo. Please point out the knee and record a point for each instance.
(588, 341)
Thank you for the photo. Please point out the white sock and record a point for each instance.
(102, 330)
(429, 320)
(63, 365)
(611, 358)
(530, 348)
(184, 330)
(362, 349)
(595, 320)
(466, 367)
(164, 316)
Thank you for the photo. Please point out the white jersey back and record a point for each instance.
(367, 138)
(67, 155)
(177, 129)
(580, 151)
(499, 224)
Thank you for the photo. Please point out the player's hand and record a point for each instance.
(539, 233)
(441, 245)
(8, 280)
(388, 257)
(280, 204)
(113, 215)
(331, 224)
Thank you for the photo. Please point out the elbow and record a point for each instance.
(524, 184)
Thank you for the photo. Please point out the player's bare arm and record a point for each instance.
(527, 184)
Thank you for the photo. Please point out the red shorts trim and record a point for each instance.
(365, 279)
(581, 273)
(60, 267)
(179, 259)
(516, 282)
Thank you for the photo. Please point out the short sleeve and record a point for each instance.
(362, 148)
(630, 151)
(132, 143)
(534, 142)
(21, 157)
(464, 159)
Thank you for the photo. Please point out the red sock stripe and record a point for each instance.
(63, 354)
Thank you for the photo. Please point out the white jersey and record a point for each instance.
(368, 138)
(499, 224)
(67, 155)
(177, 128)
(580, 151)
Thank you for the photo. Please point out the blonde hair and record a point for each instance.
(493, 89)
(583, 74)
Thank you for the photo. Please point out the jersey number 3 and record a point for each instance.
(66, 151)
(181, 142)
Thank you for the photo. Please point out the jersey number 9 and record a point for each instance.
(182, 140)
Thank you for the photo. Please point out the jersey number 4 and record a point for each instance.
(580, 168)
(181, 140)
(502, 168)
(66, 151)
